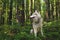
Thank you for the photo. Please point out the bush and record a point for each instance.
(17, 32)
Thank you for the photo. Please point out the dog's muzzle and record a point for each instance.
(31, 17)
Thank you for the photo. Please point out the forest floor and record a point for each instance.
(17, 32)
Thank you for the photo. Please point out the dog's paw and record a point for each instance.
(31, 31)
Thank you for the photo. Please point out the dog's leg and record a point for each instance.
(35, 32)
(31, 31)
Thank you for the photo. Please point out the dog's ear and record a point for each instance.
(36, 11)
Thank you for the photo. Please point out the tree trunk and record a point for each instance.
(48, 9)
(22, 13)
(57, 10)
(3, 12)
(10, 13)
(52, 11)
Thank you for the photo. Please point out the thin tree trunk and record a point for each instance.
(3, 12)
(25, 11)
(56, 10)
(48, 9)
(59, 9)
(22, 14)
(52, 11)
(10, 13)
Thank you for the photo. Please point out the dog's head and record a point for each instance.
(35, 16)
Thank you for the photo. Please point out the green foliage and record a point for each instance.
(17, 32)
(52, 31)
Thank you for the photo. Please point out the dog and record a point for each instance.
(37, 23)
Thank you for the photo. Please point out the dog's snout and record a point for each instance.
(31, 17)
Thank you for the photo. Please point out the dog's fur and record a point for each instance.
(37, 23)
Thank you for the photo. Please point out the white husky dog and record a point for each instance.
(37, 23)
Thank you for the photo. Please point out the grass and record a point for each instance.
(17, 32)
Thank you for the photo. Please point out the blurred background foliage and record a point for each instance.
(15, 23)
